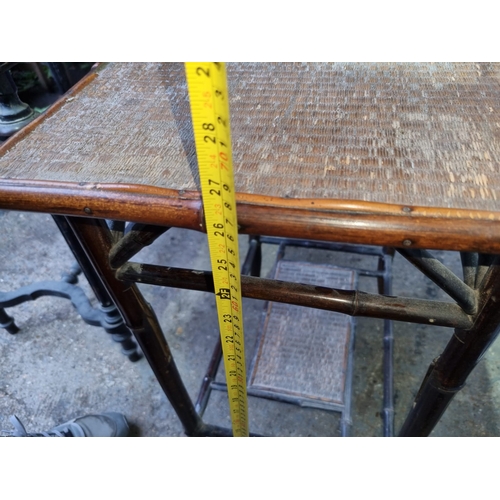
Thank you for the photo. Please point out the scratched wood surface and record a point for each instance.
(411, 133)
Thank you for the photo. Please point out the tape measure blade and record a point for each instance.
(209, 99)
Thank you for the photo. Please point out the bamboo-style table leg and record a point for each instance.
(96, 239)
(448, 373)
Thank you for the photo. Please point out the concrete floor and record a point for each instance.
(57, 367)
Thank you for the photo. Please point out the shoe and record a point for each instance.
(109, 424)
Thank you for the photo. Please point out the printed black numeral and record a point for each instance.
(200, 71)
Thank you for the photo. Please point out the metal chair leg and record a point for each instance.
(385, 287)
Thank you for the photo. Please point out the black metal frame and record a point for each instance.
(384, 279)
(106, 316)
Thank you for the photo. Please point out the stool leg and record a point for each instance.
(385, 288)
(448, 373)
(95, 238)
(117, 329)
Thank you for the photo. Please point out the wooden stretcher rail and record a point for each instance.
(324, 220)
(349, 302)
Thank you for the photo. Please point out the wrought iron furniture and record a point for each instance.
(105, 316)
(403, 156)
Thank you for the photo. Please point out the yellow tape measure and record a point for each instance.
(207, 85)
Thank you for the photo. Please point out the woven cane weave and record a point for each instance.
(413, 134)
(304, 352)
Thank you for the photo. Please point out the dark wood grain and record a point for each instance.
(359, 223)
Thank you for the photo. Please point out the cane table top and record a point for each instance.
(405, 134)
(418, 134)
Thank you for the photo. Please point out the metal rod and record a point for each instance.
(443, 277)
(117, 228)
(351, 302)
(469, 267)
(483, 264)
(388, 401)
(339, 247)
(207, 383)
(345, 418)
(253, 258)
(448, 373)
(251, 265)
(284, 398)
(385, 286)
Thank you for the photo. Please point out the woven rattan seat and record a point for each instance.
(413, 134)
